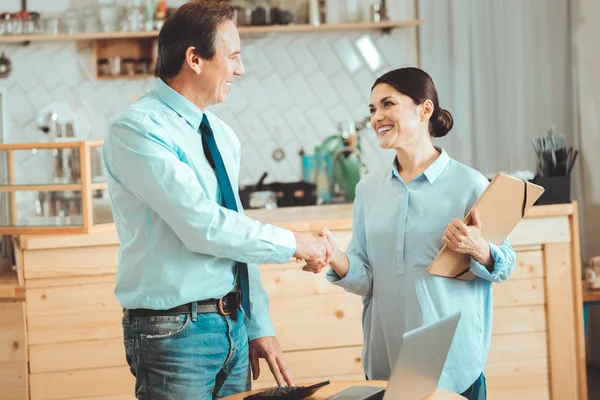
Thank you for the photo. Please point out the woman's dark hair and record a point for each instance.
(418, 85)
(194, 24)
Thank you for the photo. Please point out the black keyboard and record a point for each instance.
(287, 392)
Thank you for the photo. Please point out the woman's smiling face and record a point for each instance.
(395, 117)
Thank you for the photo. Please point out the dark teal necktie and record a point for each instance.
(216, 161)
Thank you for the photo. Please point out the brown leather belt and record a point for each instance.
(224, 306)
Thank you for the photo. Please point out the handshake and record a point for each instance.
(316, 249)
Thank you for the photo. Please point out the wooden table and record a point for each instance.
(337, 386)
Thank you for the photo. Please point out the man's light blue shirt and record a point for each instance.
(177, 244)
(397, 232)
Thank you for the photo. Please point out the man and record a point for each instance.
(195, 313)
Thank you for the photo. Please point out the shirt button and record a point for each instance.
(401, 239)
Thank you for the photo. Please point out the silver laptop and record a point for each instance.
(419, 366)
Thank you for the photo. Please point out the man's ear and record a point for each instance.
(426, 109)
(193, 61)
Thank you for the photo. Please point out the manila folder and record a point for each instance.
(501, 206)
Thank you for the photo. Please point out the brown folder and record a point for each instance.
(501, 206)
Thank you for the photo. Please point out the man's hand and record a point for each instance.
(268, 348)
(468, 240)
(316, 266)
(313, 247)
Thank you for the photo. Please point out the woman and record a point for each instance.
(402, 218)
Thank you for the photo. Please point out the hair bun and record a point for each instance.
(442, 123)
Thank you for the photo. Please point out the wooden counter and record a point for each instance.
(13, 339)
(537, 345)
(10, 289)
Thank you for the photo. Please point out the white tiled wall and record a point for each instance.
(297, 89)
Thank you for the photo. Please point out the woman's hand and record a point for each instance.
(467, 239)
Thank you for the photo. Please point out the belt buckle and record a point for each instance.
(221, 308)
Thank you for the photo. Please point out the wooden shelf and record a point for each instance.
(99, 185)
(49, 145)
(117, 77)
(76, 37)
(243, 30)
(330, 27)
(50, 187)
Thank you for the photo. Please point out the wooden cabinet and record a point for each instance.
(13, 339)
(13, 351)
(127, 58)
(537, 343)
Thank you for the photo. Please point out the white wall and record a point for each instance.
(586, 32)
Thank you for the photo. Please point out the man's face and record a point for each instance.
(220, 72)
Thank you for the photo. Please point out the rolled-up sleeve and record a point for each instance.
(138, 157)
(359, 278)
(504, 263)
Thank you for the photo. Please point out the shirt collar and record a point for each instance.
(433, 171)
(182, 106)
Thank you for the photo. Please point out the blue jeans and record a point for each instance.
(477, 391)
(177, 357)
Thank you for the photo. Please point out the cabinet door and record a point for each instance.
(518, 365)
(13, 359)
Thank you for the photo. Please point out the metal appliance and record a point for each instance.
(58, 121)
(6, 246)
(6, 254)
(3, 170)
(278, 194)
(347, 164)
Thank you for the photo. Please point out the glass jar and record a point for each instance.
(89, 20)
(71, 21)
(103, 67)
(142, 66)
(240, 18)
(17, 24)
(28, 23)
(261, 14)
(5, 24)
(281, 13)
(108, 16)
(51, 26)
(128, 66)
(115, 65)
